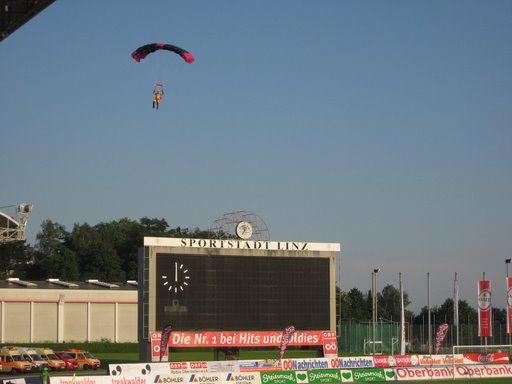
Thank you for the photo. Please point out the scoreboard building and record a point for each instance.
(235, 285)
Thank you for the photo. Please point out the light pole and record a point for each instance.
(507, 262)
(428, 307)
(374, 304)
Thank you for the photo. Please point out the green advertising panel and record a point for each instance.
(319, 376)
(278, 377)
(367, 375)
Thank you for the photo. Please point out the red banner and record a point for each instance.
(487, 358)
(239, 339)
(509, 304)
(386, 361)
(484, 309)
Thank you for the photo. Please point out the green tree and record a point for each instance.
(53, 257)
(390, 303)
(357, 308)
(15, 259)
(97, 258)
(126, 237)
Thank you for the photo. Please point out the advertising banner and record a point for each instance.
(173, 367)
(307, 364)
(103, 380)
(242, 378)
(441, 333)
(330, 344)
(384, 361)
(509, 304)
(450, 372)
(440, 359)
(484, 308)
(424, 373)
(282, 377)
(326, 376)
(486, 358)
(482, 371)
(367, 375)
(260, 365)
(356, 362)
(237, 339)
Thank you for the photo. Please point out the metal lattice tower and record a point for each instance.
(225, 227)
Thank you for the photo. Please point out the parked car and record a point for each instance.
(84, 359)
(33, 357)
(54, 363)
(11, 361)
(70, 363)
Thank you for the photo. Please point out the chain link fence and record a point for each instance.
(355, 338)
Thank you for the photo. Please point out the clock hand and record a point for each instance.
(176, 272)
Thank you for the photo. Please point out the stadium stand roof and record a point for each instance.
(15, 13)
(13, 283)
(10, 229)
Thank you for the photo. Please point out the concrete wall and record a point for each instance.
(58, 315)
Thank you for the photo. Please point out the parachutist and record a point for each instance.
(141, 53)
(158, 93)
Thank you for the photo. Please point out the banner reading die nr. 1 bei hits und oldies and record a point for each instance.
(484, 308)
(242, 339)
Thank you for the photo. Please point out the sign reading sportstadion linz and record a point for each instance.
(235, 285)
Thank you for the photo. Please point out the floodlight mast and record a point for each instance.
(13, 229)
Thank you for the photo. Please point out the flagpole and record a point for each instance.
(456, 308)
(428, 307)
(402, 316)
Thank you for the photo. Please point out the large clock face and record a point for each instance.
(244, 230)
(177, 278)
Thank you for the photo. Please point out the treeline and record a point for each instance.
(106, 251)
(356, 305)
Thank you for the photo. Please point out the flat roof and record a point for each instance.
(81, 285)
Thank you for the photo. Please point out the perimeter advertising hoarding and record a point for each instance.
(451, 372)
(356, 362)
(303, 377)
(199, 285)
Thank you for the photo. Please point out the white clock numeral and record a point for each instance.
(166, 283)
(185, 283)
(176, 290)
(185, 271)
(170, 287)
(164, 277)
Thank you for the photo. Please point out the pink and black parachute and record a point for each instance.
(141, 52)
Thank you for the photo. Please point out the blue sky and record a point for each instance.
(384, 126)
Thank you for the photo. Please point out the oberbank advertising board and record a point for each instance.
(304, 377)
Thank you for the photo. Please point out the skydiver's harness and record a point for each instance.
(158, 91)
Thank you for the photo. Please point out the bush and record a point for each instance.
(93, 347)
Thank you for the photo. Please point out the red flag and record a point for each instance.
(509, 304)
(484, 308)
(166, 332)
(440, 335)
(286, 336)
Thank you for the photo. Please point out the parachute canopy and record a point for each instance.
(141, 52)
